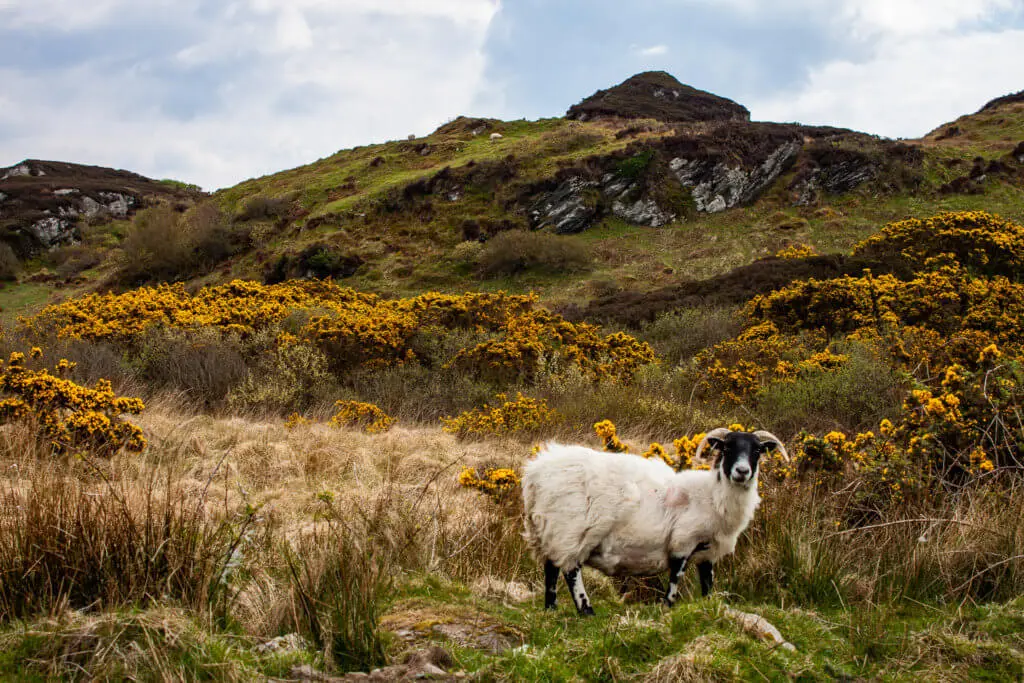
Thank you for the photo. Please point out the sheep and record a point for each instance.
(496, 136)
(625, 515)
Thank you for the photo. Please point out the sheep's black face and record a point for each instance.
(739, 453)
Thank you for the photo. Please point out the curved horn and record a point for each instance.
(719, 433)
(764, 436)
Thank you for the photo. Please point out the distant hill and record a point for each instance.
(657, 95)
(43, 204)
(597, 215)
(1013, 98)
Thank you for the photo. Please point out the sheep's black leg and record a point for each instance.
(574, 579)
(550, 584)
(707, 577)
(676, 567)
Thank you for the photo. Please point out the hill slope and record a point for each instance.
(607, 206)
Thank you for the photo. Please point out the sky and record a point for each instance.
(214, 92)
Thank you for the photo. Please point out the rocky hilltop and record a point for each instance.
(657, 95)
(44, 203)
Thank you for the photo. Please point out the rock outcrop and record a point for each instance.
(658, 183)
(43, 203)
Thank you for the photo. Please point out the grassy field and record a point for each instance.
(435, 564)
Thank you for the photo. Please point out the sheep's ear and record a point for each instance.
(676, 497)
(717, 447)
(772, 442)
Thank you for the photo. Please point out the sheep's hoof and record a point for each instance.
(550, 608)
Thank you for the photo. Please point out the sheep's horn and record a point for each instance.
(719, 433)
(763, 436)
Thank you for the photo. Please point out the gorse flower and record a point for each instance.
(511, 416)
(72, 417)
(366, 416)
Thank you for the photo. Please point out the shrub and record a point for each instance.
(796, 251)
(290, 377)
(500, 484)
(514, 252)
(10, 266)
(856, 396)
(983, 243)
(69, 416)
(165, 245)
(264, 208)
(679, 335)
(204, 363)
(366, 416)
(517, 416)
(75, 259)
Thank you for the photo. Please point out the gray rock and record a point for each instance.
(565, 210)
(835, 179)
(118, 204)
(716, 186)
(643, 212)
(19, 170)
(293, 642)
(53, 231)
(65, 192)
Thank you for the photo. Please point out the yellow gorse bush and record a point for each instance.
(368, 417)
(355, 328)
(511, 416)
(796, 251)
(499, 484)
(75, 418)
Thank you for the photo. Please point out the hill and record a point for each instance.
(604, 209)
(657, 95)
(44, 203)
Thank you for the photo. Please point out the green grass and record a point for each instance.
(697, 638)
(21, 299)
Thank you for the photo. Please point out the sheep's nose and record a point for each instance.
(741, 471)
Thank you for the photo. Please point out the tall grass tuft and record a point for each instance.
(339, 574)
(79, 542)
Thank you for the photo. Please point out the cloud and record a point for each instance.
(653, 50)
(918, 17)
(233, 89)
(907, 87)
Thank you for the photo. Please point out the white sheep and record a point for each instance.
(497, 136)
(626, 515)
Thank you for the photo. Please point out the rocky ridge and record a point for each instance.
(44, 203)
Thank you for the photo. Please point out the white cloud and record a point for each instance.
(654, 50)
(869, 19)
(918, 17)
(907, 87)
(279, 83)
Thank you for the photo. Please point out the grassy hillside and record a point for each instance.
(408, 216)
